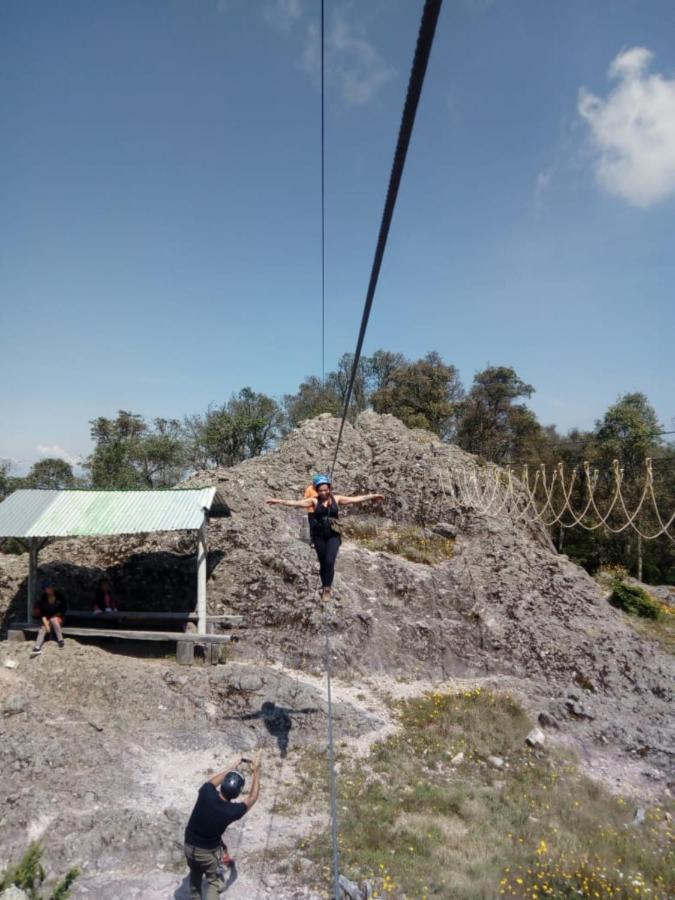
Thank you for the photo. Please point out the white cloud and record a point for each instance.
(56, 452)
(351, 60)
(543, 182)
(633, 130)
(283, 14)
(541, 185)
(352, 64)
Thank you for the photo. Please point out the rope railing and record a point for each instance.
(569, 500)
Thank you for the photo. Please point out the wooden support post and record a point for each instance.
(201, 578)
(185, 653)
(32, 578)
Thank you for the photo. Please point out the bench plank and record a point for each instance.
(136, 635)
(139, 616)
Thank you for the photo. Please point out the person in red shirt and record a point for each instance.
(103, 599)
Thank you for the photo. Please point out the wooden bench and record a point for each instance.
(185, 640)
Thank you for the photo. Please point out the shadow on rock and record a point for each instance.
(277, 720)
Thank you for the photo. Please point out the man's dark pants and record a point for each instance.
(204, 863)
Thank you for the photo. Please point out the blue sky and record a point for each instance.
(159, 237)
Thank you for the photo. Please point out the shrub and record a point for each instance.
(28, 874)
(634, 600)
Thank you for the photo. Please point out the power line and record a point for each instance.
(425, 40)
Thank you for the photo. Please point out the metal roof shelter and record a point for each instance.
(35, 516)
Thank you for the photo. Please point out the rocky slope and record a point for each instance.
(104, 749)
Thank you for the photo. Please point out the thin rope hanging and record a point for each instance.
(323, 207)
(425, 40)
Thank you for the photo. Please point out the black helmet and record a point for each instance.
(232, 785)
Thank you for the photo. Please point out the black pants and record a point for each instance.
(327, 551)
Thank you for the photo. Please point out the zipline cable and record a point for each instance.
(425, 40)
(323, 208)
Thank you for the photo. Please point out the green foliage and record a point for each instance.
(628, 432)
(130, 454)
(62, 889)
(492, 424)
(312, 399)
(427, 823)
(244, 427)
(422, 394)
(634, 600)
(5, 478)
(29, 875)
(50, 473)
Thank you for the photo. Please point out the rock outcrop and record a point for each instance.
(505, 607)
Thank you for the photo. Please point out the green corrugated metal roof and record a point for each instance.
(42, 514)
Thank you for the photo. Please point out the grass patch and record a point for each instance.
(424, 827)
(635, 601)
(661, 630)
(419, 545)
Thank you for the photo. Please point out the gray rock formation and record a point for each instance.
(84, 724)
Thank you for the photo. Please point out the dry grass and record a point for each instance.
(423, 827)
(409, 541)
(661, 630)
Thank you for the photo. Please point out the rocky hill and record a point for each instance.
(101, 748)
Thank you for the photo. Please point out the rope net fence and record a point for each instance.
(583, 497)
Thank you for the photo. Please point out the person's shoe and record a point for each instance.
(61, 644)
(36, 651)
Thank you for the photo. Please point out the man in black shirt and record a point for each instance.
(214, 810)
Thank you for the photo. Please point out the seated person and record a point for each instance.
(51, 610)
(103, 599)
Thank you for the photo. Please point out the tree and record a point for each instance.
(50, 473)
(129, 454)
(491, 424)
(313, 398)
(5, 478)
(261, 418)
(629, 432)
(244, 427)
(422, 394)
(380, 369)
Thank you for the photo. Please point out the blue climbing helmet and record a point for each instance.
(318, 480)
(232, 785)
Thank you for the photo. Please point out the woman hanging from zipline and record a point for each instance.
(325, 528)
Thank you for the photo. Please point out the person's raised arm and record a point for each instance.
(218, 779)
(252, 796)
(300, 504)
(360, 498)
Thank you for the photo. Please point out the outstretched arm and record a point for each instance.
(309, 503)
(360, 498)
(255, 786)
